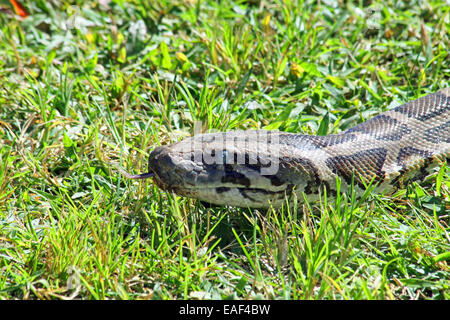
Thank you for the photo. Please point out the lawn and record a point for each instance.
(89, 85)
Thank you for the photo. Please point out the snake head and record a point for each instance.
(235, 168)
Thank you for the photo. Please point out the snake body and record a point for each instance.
(257, 168)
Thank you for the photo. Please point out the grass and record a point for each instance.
(85, 86)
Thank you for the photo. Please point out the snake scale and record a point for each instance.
(256, 167)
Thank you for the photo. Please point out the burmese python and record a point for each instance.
(255, 167)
